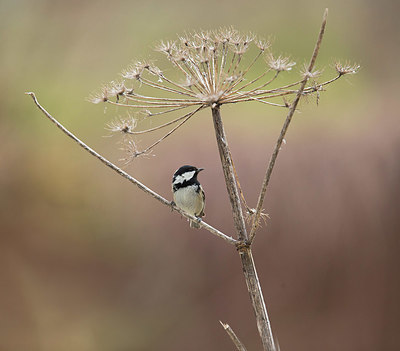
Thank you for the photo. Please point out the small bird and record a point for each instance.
(188, 193)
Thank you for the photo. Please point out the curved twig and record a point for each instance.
(122, 173)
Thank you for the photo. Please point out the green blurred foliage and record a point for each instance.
(87, 262)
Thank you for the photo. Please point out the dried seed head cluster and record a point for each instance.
(122, 125)
(346, 68)
(213, 69)
(280, 63)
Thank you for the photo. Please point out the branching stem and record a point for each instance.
(244, 249)
(207, 76)
(122, 173)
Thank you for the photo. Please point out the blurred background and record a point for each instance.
(88, 262)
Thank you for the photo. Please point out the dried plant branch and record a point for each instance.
(164, 105)
(151, 114)
(248, 265)
(251, 98)
(122, 173)
(256, 297)
(239, 345)
(285, 127)
(278, 92)
(214, 71)
(121, 126)
(248, 93)
(211, 64)
(227, 166)
(163, 87)
(153, 100)
(186, 118)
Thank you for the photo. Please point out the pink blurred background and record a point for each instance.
(88, 262)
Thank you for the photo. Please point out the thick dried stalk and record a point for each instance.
(130, 178)
(249, 269)
(227, 167)
(257, 298)
(285, 127)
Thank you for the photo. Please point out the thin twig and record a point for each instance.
(151, 114)
(188, 116)
(152, 99)
(239, 186)
(239, 345)
(155, 85)
(284, 130)
(232, 101)
(163, 125)
(122, 173)
(164, 105)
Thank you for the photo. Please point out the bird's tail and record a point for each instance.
(194, 224)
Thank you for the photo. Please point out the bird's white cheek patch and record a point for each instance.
(184, 177)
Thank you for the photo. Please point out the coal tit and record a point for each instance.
(188, 193)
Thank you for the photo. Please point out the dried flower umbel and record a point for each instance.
(212, 73)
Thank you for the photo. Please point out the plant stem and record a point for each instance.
(133, 180)
(238, 344)
(227, 167)
(285, 127)
(257, 298)
(244, 249)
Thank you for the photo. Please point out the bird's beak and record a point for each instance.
(200, 169)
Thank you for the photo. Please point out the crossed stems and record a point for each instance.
(133, 180)
(209, 76)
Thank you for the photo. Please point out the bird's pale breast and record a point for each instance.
(189, 200)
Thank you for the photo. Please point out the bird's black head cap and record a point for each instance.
(185, 175)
